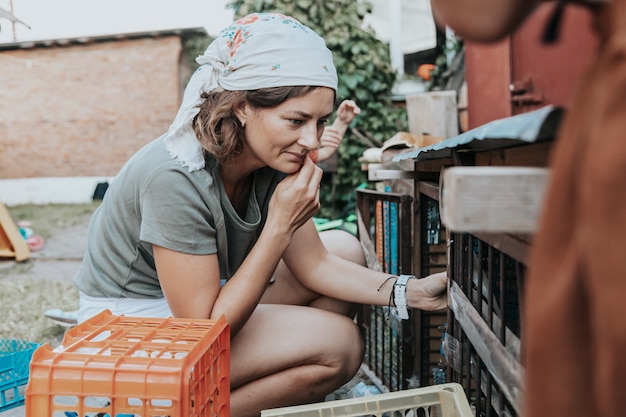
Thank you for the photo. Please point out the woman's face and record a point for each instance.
(282, 136)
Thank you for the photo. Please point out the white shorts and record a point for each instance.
(132, 307)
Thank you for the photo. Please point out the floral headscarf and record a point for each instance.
(260, 50)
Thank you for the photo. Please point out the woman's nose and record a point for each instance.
(309, 137)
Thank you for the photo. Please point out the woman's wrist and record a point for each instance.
(415, 296)
(400, 296)
(275, 235)
(398, 302)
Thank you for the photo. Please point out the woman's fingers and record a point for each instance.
(296, 198)
(429, 293)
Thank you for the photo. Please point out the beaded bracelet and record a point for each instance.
(390, 294)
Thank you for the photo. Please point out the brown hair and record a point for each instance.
(216, 125)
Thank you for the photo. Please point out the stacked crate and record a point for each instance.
(401, 354)
(125, 366)
(482, 345)
(15, 358)
(447, 400)
(385, 230)
(431, 252)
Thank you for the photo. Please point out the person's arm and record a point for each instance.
(337, 278)
(190, 283)
(333, 134)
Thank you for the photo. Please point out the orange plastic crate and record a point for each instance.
(127, 366)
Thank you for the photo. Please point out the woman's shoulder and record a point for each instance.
(154, 161)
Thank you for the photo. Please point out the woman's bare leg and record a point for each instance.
(286, 289)
(288, 355)
(344, 245)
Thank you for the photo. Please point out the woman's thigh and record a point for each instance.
(280, 337)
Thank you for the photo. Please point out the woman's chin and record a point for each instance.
(288, 168)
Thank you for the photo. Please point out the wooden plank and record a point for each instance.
(529, 155)
(375, 173)
(369, 249)
(433, 113)
(433, 165)
(5, 252)
(492, 199)
(406, 232)
(511, 245)
(429, 189)
(12, 244)
(502, 365)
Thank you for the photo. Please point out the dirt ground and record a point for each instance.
(29, 288)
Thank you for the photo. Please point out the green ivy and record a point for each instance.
(194, 44)
(365, 76)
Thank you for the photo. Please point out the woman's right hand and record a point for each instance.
(296, 198)
(429, 293)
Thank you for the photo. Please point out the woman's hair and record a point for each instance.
(217, 127)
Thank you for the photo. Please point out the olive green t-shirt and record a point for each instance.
(154, 200)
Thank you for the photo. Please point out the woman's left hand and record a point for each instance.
(429, 293)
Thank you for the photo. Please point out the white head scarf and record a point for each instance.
(260, 50)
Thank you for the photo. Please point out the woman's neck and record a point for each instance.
(237, 180)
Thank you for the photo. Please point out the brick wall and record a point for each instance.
(83, 110)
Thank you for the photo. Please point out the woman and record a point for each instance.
(214, 218)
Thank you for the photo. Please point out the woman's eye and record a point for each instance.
(322, 122)
(296, 122)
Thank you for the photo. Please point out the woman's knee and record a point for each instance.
(272, 344)
(344, 245)
(350, 349)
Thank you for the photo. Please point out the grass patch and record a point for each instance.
(22, 306)
(45, 219)
(24, 297)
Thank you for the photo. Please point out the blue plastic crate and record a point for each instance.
(15, 358)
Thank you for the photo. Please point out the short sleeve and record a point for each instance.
(177, 212)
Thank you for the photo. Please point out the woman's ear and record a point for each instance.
(241, 110)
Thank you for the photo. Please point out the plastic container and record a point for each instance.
(125, 366)
(15, 356)
(445, 400)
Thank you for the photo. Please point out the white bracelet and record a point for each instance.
(399, 296)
